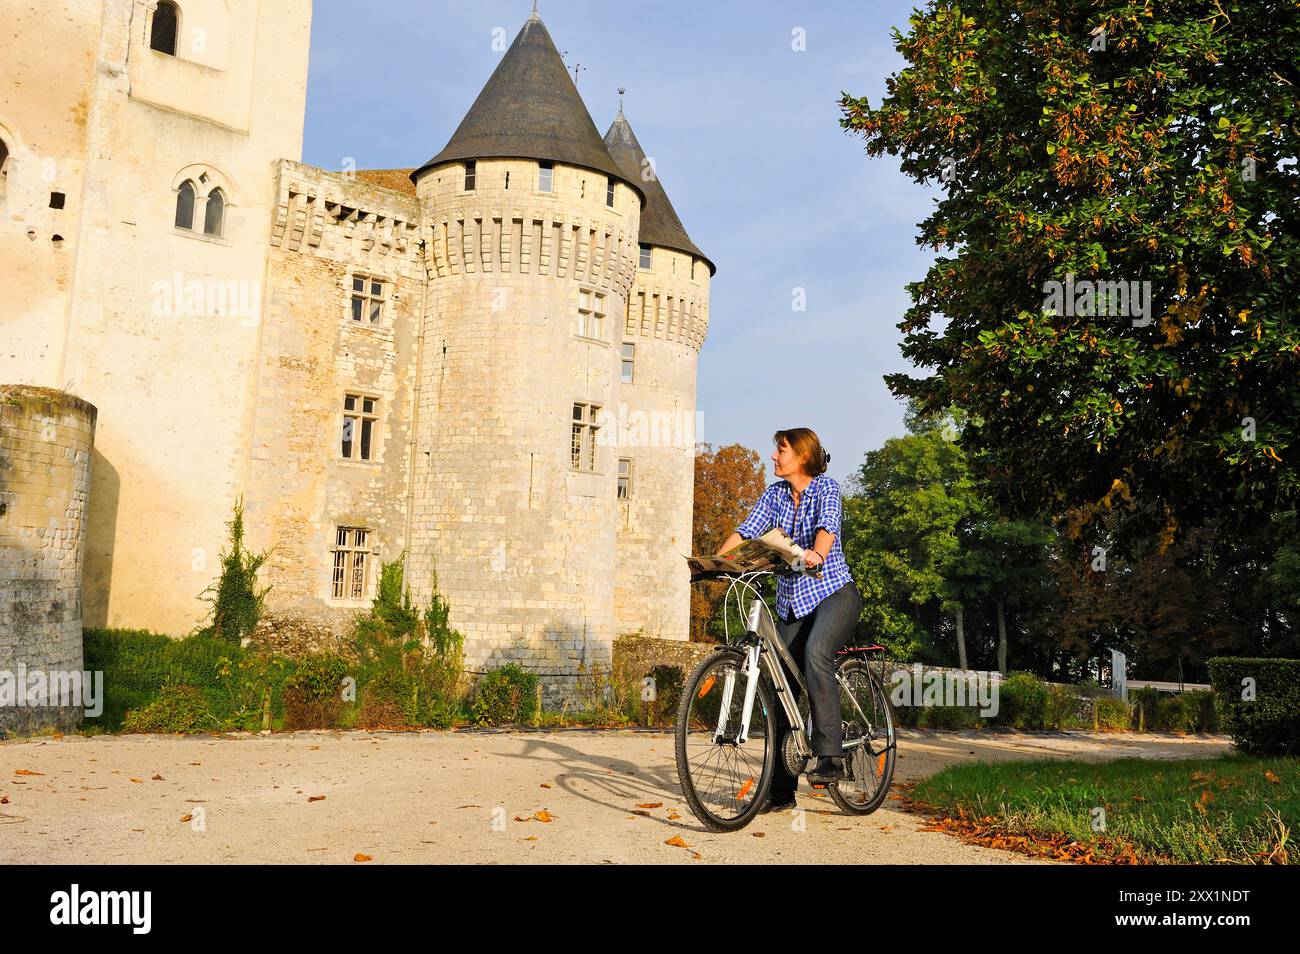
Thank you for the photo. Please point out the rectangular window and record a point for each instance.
(545, 176)
(360, 426)
(471, 171)
(609, 192)
(624, 478)
(645, 256)
(591, 314)
(350, 554)
(582, 448)
(629, 359)
(368, 295)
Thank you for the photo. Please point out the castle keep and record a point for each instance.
(487, 363)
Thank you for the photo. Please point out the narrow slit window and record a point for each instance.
(645, 257)
(609, 192)
(629, 361)
(471, 172)
(624, 478)
(545, 176)
(582, 447)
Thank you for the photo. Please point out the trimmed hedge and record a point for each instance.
(1258, 702)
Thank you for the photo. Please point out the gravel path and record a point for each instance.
(435, 797)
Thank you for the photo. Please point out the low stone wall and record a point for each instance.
(635, 656)
(281, 635)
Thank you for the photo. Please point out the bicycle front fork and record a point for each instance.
(750, 673)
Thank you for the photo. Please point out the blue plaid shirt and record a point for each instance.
(819, 508)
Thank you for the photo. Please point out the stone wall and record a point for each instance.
(635, 656)
(46, 438)
(522, 543)
(666, 321)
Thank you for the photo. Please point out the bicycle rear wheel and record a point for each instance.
(724, 780)
(869, 741)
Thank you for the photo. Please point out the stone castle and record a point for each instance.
(486, 363)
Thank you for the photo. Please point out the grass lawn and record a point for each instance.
(1236, 808)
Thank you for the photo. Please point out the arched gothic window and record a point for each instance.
(185, 205)
(166, 25)
(214, 217)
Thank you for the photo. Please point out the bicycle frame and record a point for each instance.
(762, 643)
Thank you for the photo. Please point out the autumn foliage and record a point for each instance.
(728, 482)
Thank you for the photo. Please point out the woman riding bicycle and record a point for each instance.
(815, 615)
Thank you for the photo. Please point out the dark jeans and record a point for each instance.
(812, 642)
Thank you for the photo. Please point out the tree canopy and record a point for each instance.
(1149, 147)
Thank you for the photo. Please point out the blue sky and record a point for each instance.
(745, 137)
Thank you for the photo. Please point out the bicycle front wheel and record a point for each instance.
(869, 743)
(724, 777)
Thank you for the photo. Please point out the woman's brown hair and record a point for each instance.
(805, 442)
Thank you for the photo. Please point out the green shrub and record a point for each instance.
(1175, 714)
(410, 663)
(313, 695)
(236, 600)
(177, 708)
(506, 695)
(1258, 703)
(137, 663)
(1022, 701)
(1206, 713)
(389, 700)
(949, 717)
(1146, 708)
(1112, 714)
(1062, 708)
(668, 682)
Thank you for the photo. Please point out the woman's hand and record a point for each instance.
(811, 558)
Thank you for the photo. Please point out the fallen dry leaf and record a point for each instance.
(26, 772)
(186, 818)
(156, 778)
(315, 798)
(546, 785)
(760, 834)
(650, 805)
(360, 857)
(673, 816)
(1268, 774)
(542, 815)
(676, 842)
(531, 838)
(138, 780)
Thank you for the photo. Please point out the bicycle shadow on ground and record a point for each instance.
(613, 783)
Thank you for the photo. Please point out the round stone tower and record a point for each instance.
(46, 439)
(666, 321)
(530, 240)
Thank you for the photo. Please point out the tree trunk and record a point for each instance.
(961, 637)
(1002, 638)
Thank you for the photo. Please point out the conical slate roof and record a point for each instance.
(530, 109)
(659, 222)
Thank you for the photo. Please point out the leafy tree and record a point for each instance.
(900, 536)
(728, 483)
(1120, 142)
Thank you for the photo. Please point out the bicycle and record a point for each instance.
(725, 746)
